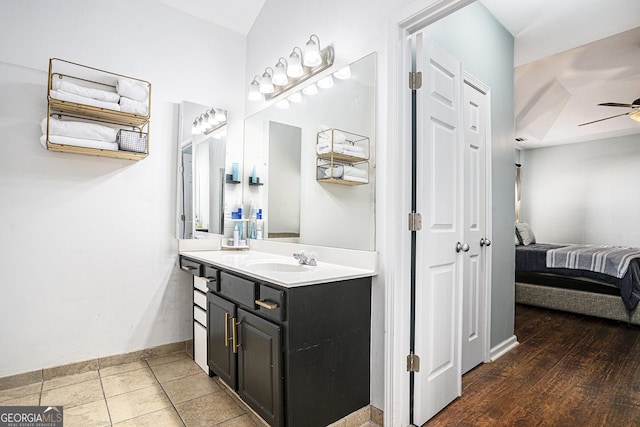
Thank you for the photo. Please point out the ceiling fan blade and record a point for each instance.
(615, 104)
(606, 118)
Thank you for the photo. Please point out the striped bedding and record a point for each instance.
(611, 260)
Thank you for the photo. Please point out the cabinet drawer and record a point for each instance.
(271, 302)
(211, 275)
(238, 289)
(199, 315)
(200, 283)
(200, 346)
(200, 299)
(191, 267)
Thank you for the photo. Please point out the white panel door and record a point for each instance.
(475, 105)
(439, 200)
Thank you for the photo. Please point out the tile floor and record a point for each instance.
(165, 391)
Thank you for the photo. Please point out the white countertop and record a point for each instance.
(278, 269)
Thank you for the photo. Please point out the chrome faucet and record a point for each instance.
(304, 259)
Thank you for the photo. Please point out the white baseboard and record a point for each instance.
(503, 348)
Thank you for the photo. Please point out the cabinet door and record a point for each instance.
(220, 356)
(259, 366)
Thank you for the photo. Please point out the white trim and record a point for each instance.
(398, 151)
(503, 348)
(486, 90)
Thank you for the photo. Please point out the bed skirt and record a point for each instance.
(589, 303)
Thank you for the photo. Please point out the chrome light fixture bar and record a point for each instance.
(287, 74)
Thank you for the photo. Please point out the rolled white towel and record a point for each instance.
(325, 133)
(334, 172)
(100, 95)
(353, 148)
(70, 97)
(79, 142)
(81, 130)
(355, 179)
(128, 105)
(353, 171)
(325, 149)
(133, 89)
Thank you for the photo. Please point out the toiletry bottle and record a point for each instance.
(236, 235)
(252, 220)
(259, 225)
(240, 223)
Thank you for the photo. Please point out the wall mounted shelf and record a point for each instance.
(94, 78)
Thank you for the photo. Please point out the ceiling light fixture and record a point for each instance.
(295, 97)
(343, 73)
(635, 116)
(325, 82)
(310, 90)
(290, 72)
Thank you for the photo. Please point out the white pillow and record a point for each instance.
(525, 233)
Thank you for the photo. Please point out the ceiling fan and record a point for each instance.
(634, 113)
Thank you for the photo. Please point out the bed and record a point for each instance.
(578, 289)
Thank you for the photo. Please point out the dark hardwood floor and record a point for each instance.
(569, 370)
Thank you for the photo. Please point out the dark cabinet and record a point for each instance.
(220, 352)
(298, 356)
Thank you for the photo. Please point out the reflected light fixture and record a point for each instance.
(290, 72)
(295, 97)
(312, 56)
(343, 73)
(310, 90)
(325, 82)
(283, 103)
(635, 116)
(210, 121)
(221, 115)
(266, 85)
(254, 90)
(280, 73)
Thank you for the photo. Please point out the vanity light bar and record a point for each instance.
(288, 74)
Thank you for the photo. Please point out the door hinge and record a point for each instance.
(415, 80)
(413, 363)
(415, 221)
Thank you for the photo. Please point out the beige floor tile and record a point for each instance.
(187, 388)
(208, 410)
(28, 400)
(26, 390)
(128, 381)
(68, 380)
(119, 369)
(136, 403)
(171, 371)
(168, 358)
(242, 421)
(74, 394)
(167, 417)
(92, 414)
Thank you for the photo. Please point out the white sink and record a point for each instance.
(275, 266)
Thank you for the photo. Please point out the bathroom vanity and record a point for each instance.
(292, 340)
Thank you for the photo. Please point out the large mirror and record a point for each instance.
(282, 166)
(202, 170)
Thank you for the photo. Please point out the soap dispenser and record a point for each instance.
(259, 225)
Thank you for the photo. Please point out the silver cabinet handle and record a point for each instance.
(188, 267)
(464, 247)
(485, 242)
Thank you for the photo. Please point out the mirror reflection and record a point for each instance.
(202, 165)
(282, 164)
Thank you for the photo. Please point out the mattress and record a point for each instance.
(531, 268)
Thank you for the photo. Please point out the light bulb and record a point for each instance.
(310, 90)
(295, 97)
(343, 73)
(283, 103)
(254, 91)
(221, 116)
(326, 82)
(280, 74)
(311, 56)
(266, 85)
(194, 127)
(294, 68)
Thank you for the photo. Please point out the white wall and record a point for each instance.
(359, 27)
(87, 262)
(583, 193)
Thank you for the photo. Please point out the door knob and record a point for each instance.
(464, 247)
(485, 242)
